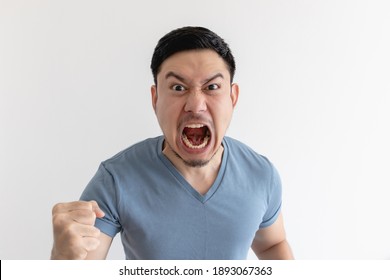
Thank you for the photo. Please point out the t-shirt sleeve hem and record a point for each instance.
(107, 227)
(270, 221)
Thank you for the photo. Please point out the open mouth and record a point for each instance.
(196, 136)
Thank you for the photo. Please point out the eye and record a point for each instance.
(212, 87)
(178, 88)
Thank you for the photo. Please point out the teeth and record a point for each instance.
(195, 125)
(189, 144)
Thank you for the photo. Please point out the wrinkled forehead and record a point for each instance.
(194, 65)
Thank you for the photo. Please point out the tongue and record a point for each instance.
(195, 135)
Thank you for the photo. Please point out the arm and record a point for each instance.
(270, 243)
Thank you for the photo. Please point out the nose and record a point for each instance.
(196, 102)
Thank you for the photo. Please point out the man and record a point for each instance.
(192, 193)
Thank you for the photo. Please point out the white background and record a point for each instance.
(315, 99)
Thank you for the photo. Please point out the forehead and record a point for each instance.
(194, 64)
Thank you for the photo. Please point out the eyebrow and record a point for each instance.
(182, 79)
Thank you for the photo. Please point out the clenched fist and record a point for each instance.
(74, 232)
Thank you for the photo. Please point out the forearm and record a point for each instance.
(280, 251)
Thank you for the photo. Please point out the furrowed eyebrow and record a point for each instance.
(173, 74)
(183, 80)
(218, 75)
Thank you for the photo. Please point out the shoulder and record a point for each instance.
(139, 153)
(240, 151)
(246, 162)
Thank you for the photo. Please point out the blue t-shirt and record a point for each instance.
(160, 215)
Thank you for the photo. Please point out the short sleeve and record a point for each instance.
(274, 199)
(102, 189)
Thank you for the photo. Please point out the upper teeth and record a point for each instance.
(195, 125)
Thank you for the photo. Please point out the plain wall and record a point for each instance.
(315, 99)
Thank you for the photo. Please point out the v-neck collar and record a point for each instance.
(184, 183)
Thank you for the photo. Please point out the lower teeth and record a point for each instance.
(190, 145)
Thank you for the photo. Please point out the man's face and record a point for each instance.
(194, 102)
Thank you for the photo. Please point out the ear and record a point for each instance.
(235, 92)
(153, 91)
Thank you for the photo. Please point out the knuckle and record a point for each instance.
(86, 215)
(88, 205)
(92, 202)
(58, 220)
(57, 208)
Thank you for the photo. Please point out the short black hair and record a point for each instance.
(191, 38)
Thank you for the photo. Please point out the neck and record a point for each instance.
(201, 178)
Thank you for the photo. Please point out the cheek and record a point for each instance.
(222, 112)
(167, 114)
(221, 123)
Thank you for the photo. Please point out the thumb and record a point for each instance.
(95, 208)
